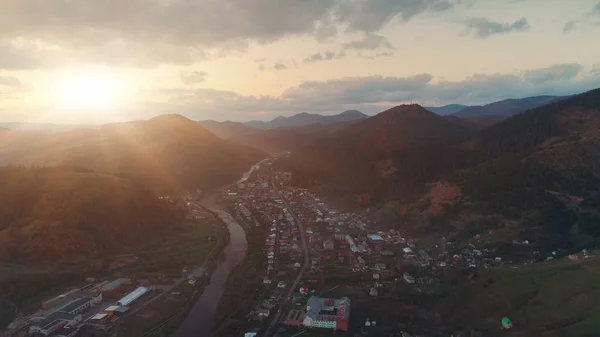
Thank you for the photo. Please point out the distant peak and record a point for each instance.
(406, 110)
(170, 117)
(352, 113)
(279, 118)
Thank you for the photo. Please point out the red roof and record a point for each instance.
(342, 324)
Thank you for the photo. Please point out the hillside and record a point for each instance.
(305, 118)
(227, 129)
(533, 175)
(53, 214)
(447, 109)
(170, 153)
(361, 160)
(507, 107)
(285, 139)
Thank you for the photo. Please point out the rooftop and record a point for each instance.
(54, 319)
(76, 304)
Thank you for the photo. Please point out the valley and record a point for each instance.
(406, 221)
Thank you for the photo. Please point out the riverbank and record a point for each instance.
(242, 288)
(199, 317)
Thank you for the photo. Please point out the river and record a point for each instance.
(199, 321)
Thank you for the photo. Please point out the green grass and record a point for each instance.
(551, 295)
(188, 247)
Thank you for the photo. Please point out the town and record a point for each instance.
(326, 270)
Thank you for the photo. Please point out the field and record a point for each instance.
(556, 298)
(165, 257)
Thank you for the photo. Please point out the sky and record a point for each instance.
(97, 61)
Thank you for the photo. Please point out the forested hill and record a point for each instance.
(65, 213)
(169, 153)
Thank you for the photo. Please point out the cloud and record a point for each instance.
(595, 10)
(9, 81)
(371, 15)
(442, 6)
(325, 56)
(482, 28)
(194, 77)
(369, 42)
(558, 72)
(569, 26)
(147, 33)
(375, 93)
(280, 66)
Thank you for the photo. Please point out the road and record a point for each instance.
(284, 303)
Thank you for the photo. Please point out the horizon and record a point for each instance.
(269, 119)
(87, 63)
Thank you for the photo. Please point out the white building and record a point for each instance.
(53, 322)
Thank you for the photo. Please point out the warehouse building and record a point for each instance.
(133, 296)
(61, 299)
(81, 304)
(54, 322)
(327, 313)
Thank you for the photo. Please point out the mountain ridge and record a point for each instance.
(305, 118)
(507, 107)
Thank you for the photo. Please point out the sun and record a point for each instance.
(88, 91)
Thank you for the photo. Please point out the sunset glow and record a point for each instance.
(88, 92)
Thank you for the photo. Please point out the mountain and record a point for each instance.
(170, 153)
(359, 159)
(447, 109)
(305, 118)
(392, 130)
(61, 224)
(285, 139)
(507, 107)
(532, 176)
(227, 129)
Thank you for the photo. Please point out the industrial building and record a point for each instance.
(61, 299)
(133, 296)
(327, 313)
(67, 315)
(79, 305)
(54, 322)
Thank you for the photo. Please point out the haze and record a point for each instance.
(89, 62)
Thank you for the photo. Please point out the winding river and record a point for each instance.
(199, 321)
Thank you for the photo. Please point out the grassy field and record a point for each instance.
(165, 257)
(556, 298)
